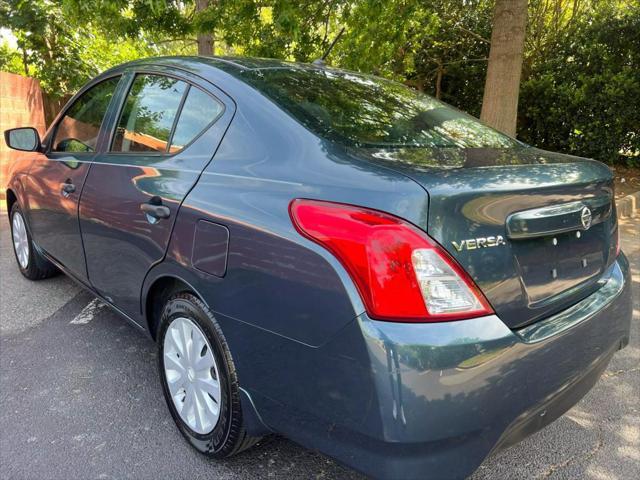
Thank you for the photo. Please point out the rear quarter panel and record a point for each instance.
(284, 303)
(276, 279)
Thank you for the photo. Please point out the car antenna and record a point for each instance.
(320, 62)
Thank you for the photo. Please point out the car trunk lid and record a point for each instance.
(533, 229)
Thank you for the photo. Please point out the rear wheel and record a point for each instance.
(30, 262)
(198, 378)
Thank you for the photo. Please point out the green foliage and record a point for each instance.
(432, 46)
(61, 44)
(580, 86)
(10, 60)
(584, 99)
(51, 49)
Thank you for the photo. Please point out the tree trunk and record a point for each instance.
(502, 86)
(25, 62)
(205, 40)
(439, 73)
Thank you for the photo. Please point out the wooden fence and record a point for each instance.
(21, 105)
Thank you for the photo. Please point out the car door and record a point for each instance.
(167, 130)
(56, 178)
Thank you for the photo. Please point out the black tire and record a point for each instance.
(38, 267)
(229, 436)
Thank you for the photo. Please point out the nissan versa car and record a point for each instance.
(329, 256)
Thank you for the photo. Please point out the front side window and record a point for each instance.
(148, 114)
(78, 130)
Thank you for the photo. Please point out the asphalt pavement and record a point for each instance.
(80, 399)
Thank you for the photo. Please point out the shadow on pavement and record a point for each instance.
(82, 400)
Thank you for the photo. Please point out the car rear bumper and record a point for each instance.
(448, 394)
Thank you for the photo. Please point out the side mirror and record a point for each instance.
(25, 139)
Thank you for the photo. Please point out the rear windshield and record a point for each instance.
(365, 111)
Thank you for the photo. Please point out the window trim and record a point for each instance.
(63, 113)
(175, 120)
(166, 153)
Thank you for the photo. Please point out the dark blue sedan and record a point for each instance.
(329, 256)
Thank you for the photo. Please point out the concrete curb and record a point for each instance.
(628, 206)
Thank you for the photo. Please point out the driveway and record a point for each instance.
(80, 399)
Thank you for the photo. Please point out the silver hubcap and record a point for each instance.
(192, 375)
(20, 240)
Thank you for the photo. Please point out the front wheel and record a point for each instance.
(198, 378)
(30, 262)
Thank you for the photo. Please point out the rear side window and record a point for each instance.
(148, 115)
(78, 130)
(198, 112)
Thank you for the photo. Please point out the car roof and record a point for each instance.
(231, 65)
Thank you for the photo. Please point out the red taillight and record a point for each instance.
(400, 272)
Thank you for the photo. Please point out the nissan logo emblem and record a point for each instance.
(585, 218)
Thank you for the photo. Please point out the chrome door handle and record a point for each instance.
(155, 212)
(67, 188)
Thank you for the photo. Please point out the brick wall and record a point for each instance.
(20, 106)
